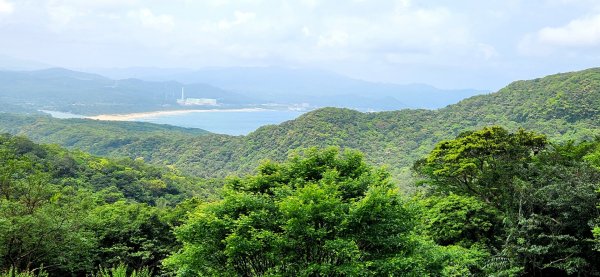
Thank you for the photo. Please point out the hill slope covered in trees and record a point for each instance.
(564, 106)
(69, 212)
(494, 203)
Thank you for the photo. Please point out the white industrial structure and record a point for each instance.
(195, 101)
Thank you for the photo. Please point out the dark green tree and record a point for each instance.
(133, 234)
(460, 220)
(544, 194)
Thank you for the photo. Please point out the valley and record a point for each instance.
(394, 138)
(299, 138)
(420, 169)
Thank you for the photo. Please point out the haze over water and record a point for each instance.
(235, 123)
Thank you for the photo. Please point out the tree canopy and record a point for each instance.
(322, 213)
(541, 200)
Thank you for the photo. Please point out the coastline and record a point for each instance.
(133, 116)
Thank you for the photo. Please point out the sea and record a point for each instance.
(224, 122)
(233, 123)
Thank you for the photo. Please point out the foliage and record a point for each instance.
(121, 271)
(12, 272)
(532, 210)
(552, 232)
(497, 201)
(130, 233)
(72, 212)
(460, 220)
(133, 179)
(545, 195)
(482, 163)
(321, 213)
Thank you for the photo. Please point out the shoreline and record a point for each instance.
(133, 116)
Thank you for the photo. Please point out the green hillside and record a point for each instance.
(495, 203)
(70, 212)
(564, 106)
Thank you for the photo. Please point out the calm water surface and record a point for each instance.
(221, 122)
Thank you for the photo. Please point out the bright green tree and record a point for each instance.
(481, 163)
(323, 213)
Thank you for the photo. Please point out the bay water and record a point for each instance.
(234, 122)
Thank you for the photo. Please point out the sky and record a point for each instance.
(445, 43)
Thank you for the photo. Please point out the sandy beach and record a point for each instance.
(134, 116)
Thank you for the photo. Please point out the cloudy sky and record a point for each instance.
(446, 43)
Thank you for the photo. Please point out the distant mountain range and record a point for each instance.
(317, 87)
(151, 89)
(88, 94)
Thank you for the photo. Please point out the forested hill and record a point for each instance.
(556, 99)
(71, 213)
(564, 106)
(98, 137)
(65, 90)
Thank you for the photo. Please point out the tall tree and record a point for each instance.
(323, 213)
(545, 194)
(481, 163)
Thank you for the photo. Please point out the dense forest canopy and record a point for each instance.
(70, 212)
(506, 184)
(489, 202)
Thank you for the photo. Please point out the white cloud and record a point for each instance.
(402, 33)
(148, 19)
(95, 5)
(306, 31)
(6, 7)
(62, 15)
(239, 19)
(487, 51)
(334, 39)
(581, 33)
(589, 4)
(396, 32)
(584, 32)
(317, 33)
(72, 14)
(426, 27)
(310, 3)
(403, 4)
(213, 3)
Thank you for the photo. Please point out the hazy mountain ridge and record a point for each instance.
(84, 93)
(300, 85)
(135, 91)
